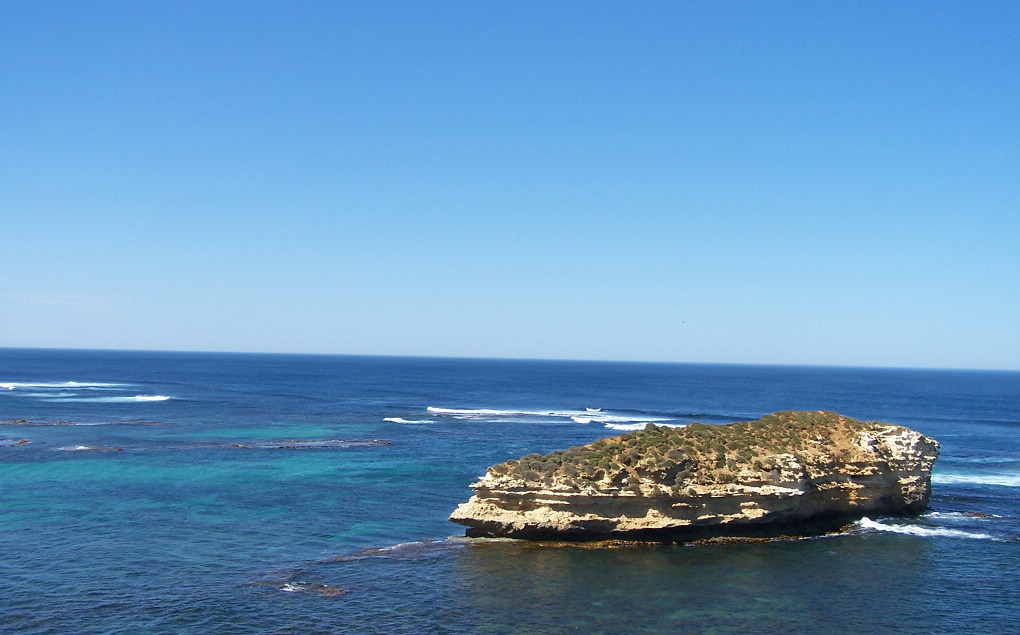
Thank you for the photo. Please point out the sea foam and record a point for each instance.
(641, 425)
(1000, 479)
(960, 516)
(626, 426)
(57, 385)
(918, 530)
(611, 420)
(131, 399)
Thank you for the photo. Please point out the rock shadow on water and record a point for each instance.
(61, 422)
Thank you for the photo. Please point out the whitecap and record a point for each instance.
(626, 426)
(1002, 480)
(132, 399)
(982, 460)
(918, 530)
(495, 414)
(470, 412)
(642, 419)
(588, 415)
(415, 549)
(58, 385)
(323, 590)
(641, 426)
(960, 516)
(406, 421)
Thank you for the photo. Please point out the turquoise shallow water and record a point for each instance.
(143, 515)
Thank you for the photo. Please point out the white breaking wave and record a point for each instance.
(641, 426)
(1003, 480)
(485, 413)
(985, 460)
(406, 421)
(132, 399)
(626, 426)
(917, 530)
(960, 516)
(57, 385)
(588, 415)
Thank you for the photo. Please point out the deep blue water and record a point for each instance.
(253, 494)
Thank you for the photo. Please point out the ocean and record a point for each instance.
(146, 492)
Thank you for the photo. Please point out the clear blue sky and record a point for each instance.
(806, 183)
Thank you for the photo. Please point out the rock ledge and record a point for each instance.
(789, 473)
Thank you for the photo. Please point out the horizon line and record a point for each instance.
(508, 359)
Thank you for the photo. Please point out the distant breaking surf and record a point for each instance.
(16, 385)
(132, 399)
(77, 391)
(1002, 480)
(611, 420)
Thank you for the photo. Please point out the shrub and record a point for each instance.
(672, 456)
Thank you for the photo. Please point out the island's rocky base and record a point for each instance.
(786, 474)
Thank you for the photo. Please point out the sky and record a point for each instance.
(731, 182)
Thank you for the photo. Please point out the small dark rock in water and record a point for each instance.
(322, 590)
(91, 448)
(16, 443)
(26, 422)
(129, 422)
(307, 445)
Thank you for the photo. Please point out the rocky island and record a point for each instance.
(786, 474)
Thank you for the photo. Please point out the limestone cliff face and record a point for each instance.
(790, 473)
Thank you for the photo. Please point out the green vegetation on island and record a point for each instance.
(661, 460)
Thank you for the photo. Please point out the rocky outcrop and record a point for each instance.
(790, 473)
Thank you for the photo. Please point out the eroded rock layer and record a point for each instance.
(790, 473)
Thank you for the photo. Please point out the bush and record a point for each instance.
(671, 457)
